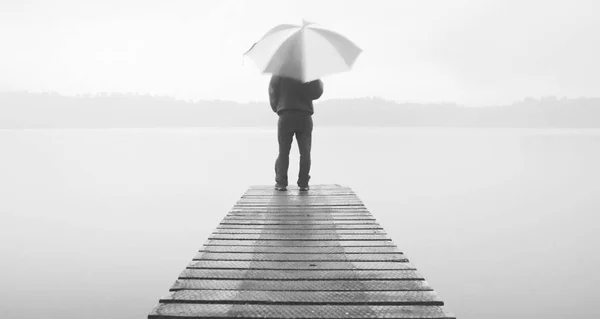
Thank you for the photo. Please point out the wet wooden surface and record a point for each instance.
(315, 254)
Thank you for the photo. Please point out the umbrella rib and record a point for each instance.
(285, 45)
(273, 31)
(302, 50)
(279, 28)
(340, 40)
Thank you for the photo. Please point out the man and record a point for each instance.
(292, 100)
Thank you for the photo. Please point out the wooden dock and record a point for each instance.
(315, 254)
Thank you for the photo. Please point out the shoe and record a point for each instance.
(303, 188)
(280, 187)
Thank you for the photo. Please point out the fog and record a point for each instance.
(99, 218)
(99, 223)
(483, 52)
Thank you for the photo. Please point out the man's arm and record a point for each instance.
(314, 89)
(274, 92)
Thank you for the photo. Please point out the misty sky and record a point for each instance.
(471, 52)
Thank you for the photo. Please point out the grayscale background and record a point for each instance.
(470, 129)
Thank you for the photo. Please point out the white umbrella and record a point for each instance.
(305, 52)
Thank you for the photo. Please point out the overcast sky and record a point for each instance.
(471, 52)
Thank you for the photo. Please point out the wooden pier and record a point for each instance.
(315, 254)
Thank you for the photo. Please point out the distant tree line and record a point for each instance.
(114, 110)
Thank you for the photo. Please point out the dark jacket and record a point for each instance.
(286, 94)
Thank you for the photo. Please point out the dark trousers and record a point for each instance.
(290, 124)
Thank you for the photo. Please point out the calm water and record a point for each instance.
(99, 223)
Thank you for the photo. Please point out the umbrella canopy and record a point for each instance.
(304, 52)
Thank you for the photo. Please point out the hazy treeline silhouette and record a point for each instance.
(114, 110)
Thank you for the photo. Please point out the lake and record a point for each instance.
(503, 223)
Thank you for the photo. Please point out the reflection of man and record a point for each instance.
(293, 102)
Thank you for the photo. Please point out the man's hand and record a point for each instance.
(314, 89)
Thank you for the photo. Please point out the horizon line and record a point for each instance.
(157, 95)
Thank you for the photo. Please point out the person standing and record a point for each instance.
(293, 100)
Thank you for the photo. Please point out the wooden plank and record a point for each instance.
(293, 215)
(299, 257)
(404, 298)
(310, 285)
(300, 217)
(315, 206)
(295, 237)
(289, 214)
(270, 204)
(296, 243)
(299, 198)
(302, 227)
(292, 231)
(309, 200)
(330, 208)
(190, 310)
(312, 187)
(304, 207)
(308, 210)
(301, 210)
(296, 192)
(296, 218)
(309, 264)
(302, 250)
(291, 192)
(270, 193)
(301, 222)
(286, 202)
(311, 196)
(300, 274)
(299, 231)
